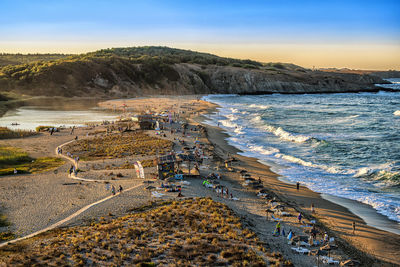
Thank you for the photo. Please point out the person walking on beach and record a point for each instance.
(297, 186)
(120, 188)
(113, 190)
(354, 227)
(312, 208)
(72, 130)
(299, 217)
(71, 169)
(278, 228)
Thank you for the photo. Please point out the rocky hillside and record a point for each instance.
(127, 72)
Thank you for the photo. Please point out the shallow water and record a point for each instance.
(29, 117)
(345, 145)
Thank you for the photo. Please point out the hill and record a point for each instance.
(127, 72)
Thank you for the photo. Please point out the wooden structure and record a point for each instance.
(166, 166)
(146, 122)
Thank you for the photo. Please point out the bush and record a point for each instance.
(43, 128)
(6, 133)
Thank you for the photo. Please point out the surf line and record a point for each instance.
(75, 214)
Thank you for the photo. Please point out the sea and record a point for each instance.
(342, 145)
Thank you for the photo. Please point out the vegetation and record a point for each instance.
(119, 146)
(5, 235)
(147, 163)
(176, 233)
(16, 59)
(6, 133)
(13, 158)
(154, 61)
(42, 128)
(172, 55)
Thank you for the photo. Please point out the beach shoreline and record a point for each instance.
(334, 215)
(334, 218)
(375, 243)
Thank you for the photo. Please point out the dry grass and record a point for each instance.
(147, 163)
(178, 233)
(6, 133)
(119, 146)
(12, 157)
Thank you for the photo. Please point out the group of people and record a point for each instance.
(113, 190)
(312, 240)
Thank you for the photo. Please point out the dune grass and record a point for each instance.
(6, 235)
(6, 133)
(189, 232)
(14, 158)
(119, 146)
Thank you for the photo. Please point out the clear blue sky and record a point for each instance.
(296, 31)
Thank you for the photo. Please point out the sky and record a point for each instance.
(358, 34)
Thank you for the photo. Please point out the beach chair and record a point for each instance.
(301, 250)
(275, 218)
(178, 176)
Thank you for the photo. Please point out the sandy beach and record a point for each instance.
(336, 218)
(33, 202)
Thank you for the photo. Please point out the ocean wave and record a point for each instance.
(396, 113)
(231, 117)
(353, 116)
(287, 136)
(256, 119)
(329, 169)
(384, 173)
(239, 130)
(259, 106)
(263, 150)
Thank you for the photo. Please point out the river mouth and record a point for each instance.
(55, 112)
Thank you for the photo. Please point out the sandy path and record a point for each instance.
(77, 213)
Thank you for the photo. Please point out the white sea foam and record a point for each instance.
(256, 119)
(284, 135)
(228, 123)
(259, 106)
(329, 169)
(263, 150)
(353, 116)
(251, 132)
(239, 130)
